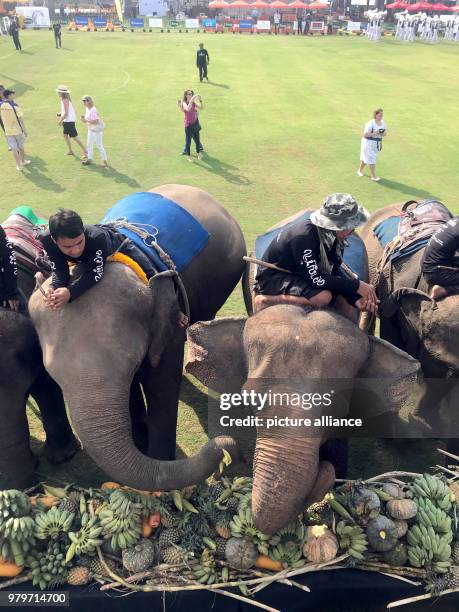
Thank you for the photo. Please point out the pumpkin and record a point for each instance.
(402, 508)
(402, 527)
(382, 533)
(265, 562)
(397, 556)
(364, 504)
(393, 490)
(9, 569)
(140, 557)
(110, 485)
(241, 553)
(321, 545)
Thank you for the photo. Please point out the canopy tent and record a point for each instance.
(218, 4)
(317, 6)
(440, 7)
(398, 4)
(278, 4)
(455, 8)
(419, 6)
(239, 4)
(297, 5)
(259, 4)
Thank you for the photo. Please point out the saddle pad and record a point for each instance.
(172, 227)
(22, 228)
(354, 254)
(387, 230)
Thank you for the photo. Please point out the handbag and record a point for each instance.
(98, 127)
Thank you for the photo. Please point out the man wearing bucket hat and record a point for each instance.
(308, 258)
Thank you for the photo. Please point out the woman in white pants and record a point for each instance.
(95, 131)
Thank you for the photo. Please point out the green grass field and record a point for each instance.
(281, 129)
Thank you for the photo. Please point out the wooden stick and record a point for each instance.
(246, 600)
(455, 457)
(133, 578)
(18, 580)
(265, 264)
(441, 467)
(398, 570)
(404, 602)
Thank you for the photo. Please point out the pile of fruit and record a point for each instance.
(207, 535)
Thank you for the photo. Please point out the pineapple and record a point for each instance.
(96, 567)
(216, 490)
(78, 576)
(172, 555)
(168, 537)
(455, 554)
(232, 504)
(222, 525)
(68, 505)
(221, 547)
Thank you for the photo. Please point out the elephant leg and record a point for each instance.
(61, 445)
(335, 451)
(161, 386)
(138, 414)
(388, 330)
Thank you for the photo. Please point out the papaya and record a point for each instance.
(9, 569)
(147, 529)
(265, 562)
(110, 485)
(154, 520)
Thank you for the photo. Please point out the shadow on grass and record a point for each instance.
(411, 191)
(218, 84)
(12, 83)
(214, 165)
(110, 172)
(35, 174)
(196, 399)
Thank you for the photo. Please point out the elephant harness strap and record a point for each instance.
(165, 258)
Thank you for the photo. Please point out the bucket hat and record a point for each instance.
(340, 212)
(63, 89)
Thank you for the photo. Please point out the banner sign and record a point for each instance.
(362, 2)
(154, 22)
(317, 26)
(228, 24)
(209, 23)
(192, 23)
(99, 23)
(34, 16)
(81, 21)
(353, 26)
(263, 25)
(153, 7)
(137, 23)
(245, 24)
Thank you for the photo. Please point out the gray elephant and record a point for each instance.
(414, 322)
(122, 332)
(284, 348)
(22, 374)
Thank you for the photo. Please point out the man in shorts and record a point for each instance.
(13, 124)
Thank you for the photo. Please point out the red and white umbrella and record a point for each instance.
(317, 6)
(259, 4)
(398, 4)
(218, 4)
(440, 7)
(455, 8)
(278, 4)
(419, 6)
(297, 5)
(239, 4)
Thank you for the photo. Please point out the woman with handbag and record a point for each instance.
(371, 144)
(95, 131)
(188, 106)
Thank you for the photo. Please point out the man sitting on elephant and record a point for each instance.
(69, 241)
(311, 257)
(9, 294)
(440, 266)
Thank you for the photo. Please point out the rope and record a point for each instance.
(150, 241)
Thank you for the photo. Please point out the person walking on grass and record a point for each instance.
(67, 118)
(57, 28)
(14, 32)
(13, 124)
(371, 144)
(95, 131)
(188, 105)
(202, 59)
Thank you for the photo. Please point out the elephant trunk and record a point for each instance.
(103, 425)
(284, 472)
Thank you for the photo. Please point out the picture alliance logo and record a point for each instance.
(259, 401)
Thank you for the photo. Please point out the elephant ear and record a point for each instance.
(390, 375)
(216, 354)
(165, 313)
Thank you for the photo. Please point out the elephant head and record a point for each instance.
(429, 329)
(19, 366)
(286, 348)
(93, 347)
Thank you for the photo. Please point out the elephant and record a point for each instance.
(121, 333)
(283, 348)
(428, 330)
(22, 374)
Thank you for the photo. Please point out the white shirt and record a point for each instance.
(71, 116)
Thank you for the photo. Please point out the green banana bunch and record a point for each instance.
(48, 568)
(205, 571)
(417, 556)
(242, 526)
(352, 539)
(13, 503)
(16, 526)
(86, 539)
(428, 548)
(50, 524)
(433, 488)
(238, 487)
(149, 503)
(121, 520)
(288, 554)
(295, 531)
(429, 514)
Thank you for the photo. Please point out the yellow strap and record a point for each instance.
(127, 261)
